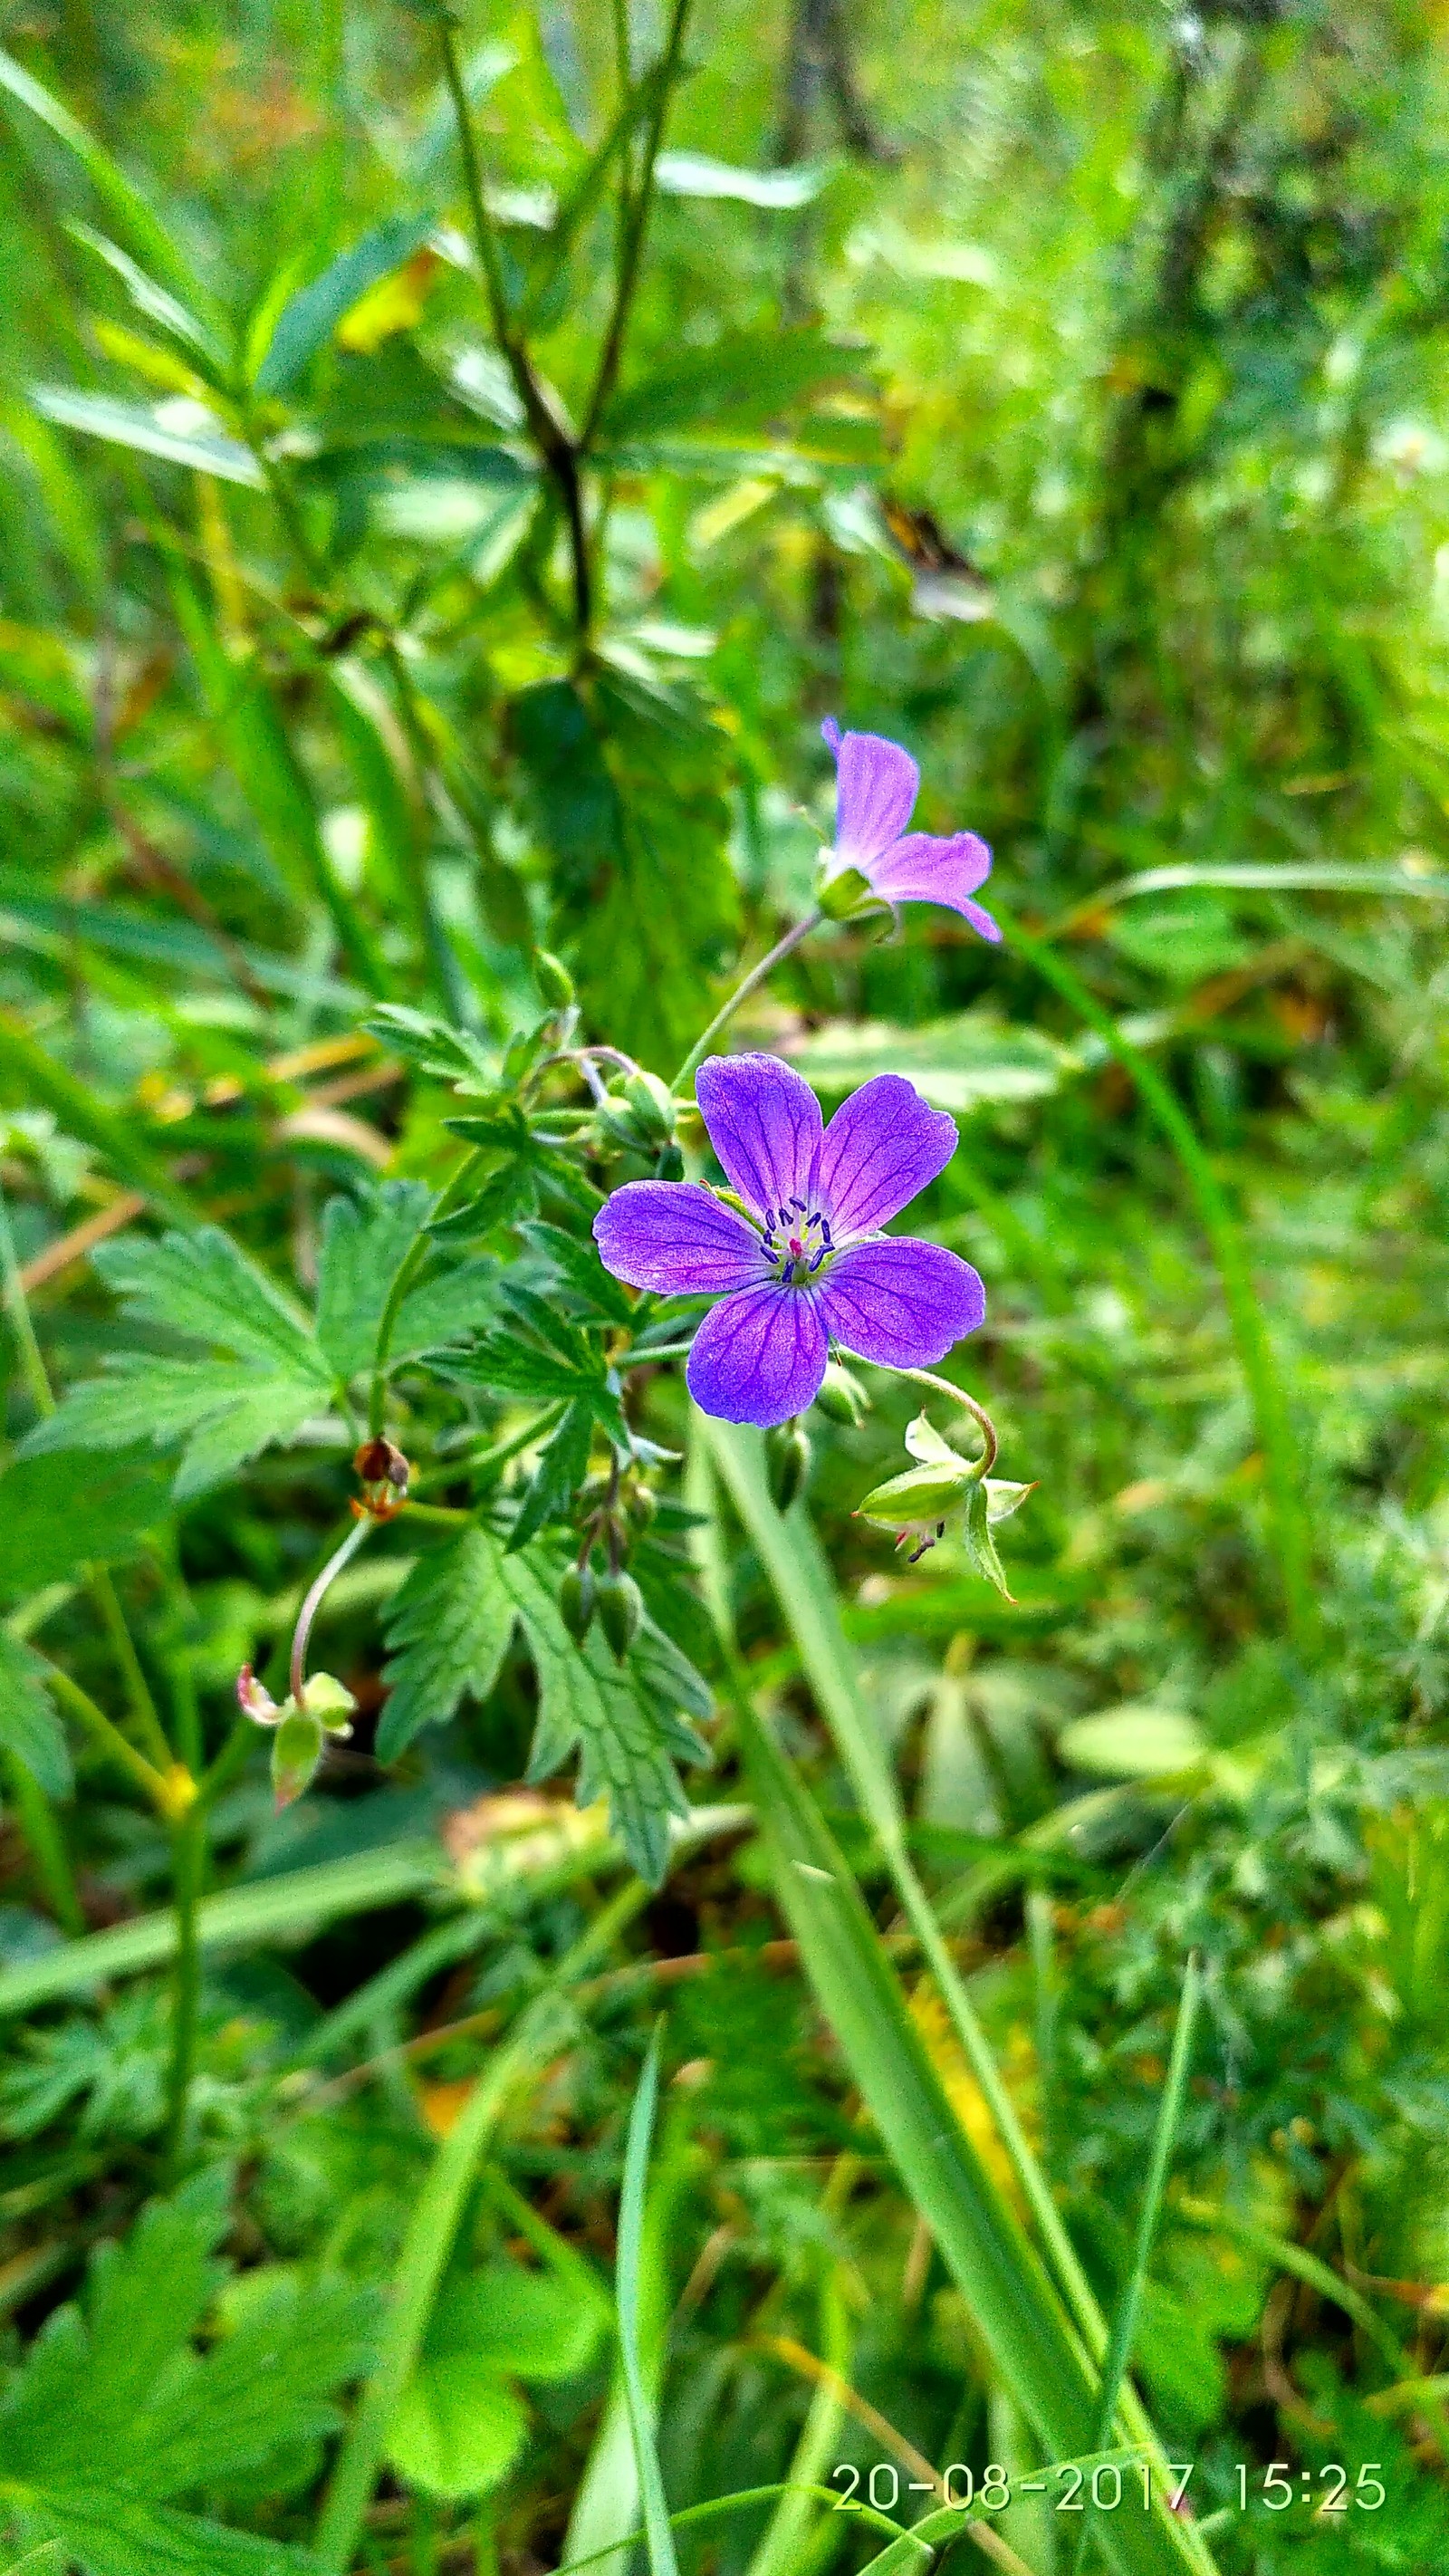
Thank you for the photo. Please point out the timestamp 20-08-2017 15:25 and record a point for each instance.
(1110, 2485)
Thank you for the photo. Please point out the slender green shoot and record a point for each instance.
(658, 2535)
(1129, 2305)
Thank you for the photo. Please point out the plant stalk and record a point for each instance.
(742, 992)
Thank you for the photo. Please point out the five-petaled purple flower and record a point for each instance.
(876, 789)
(805, 1264)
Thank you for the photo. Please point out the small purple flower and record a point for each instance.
(877, 783)
(805, 1264)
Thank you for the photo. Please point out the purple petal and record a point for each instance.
(900, 1302)
(922, 869)
(764, 1123)
(877, 784)
(759, 1357)
(674, 1237)
(881, 1147)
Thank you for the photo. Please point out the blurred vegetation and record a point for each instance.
(412, 565)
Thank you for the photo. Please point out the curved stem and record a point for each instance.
(742, 992)
(968, 1403)
(297, 1671)
(1291, 1531)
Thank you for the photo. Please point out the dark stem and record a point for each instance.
(636, 225)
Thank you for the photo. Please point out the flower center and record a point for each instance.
(797, 1241)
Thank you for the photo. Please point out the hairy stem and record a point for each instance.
(742, 992)
(297, 1671)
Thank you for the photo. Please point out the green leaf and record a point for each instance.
(29, 1726)
(562, 1466)
(522, 2325)
(444, 1309)
(181, 431)
(153, 300)
(364, 1245)
(581, 1271)
(1134, 1742)
(309, 318)
(63, 1511)
(204, 1286)
(454, 1619)
(744, 376)
(629, 797)
(114, 2412)
(125, 201)
(449, 1630)
(694, 174)
(456, 2430)
(628, 2281)
(956, 1064)
(224, 1408)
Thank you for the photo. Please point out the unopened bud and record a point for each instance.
(553, 979)
(621, 1608)
(577, 1601)
(670, 1166)
(653, 1105)
(641, 1503)
(918, 1499)
(842, 1398)
(787, 1461)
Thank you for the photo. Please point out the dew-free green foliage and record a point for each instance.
(451, 461)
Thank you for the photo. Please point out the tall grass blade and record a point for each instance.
(1129, 2305)
(659, 2539)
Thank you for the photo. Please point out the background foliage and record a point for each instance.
(411, 564)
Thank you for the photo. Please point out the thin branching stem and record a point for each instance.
(634, 228)
(741, 994)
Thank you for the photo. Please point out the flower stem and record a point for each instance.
(742, 992)
(188, 1867)
(958, 1395)
(341, 1556)
(109, 1737)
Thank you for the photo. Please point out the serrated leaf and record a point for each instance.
(454, 1618)
(230, 1411)
(309, 318)
(204, 1286)
(579, 1267)
(182, 432)
(364, 1245)
(63, 1511)
(562, 1466)
(114, 2412)
(444, 1309)
(454, 1055)
(29, 1726)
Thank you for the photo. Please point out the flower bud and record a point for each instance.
(297, 1749)
(787, 1461)
(621, 1608)
(577, 1601)
(670, 1166)
(842, 1398)
(641, 1503)
(616, 1120)
(918, 1499)
(653, 1105)
(553, 979)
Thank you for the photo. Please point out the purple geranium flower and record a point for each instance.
(805, 1264)
(877, 783)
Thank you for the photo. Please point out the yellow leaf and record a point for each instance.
(394, 304)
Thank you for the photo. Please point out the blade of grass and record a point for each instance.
(432, 2231)
(659, 2539)
(783, 2546)
(1129, 2305)
(148, 234)
(799, 1575)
